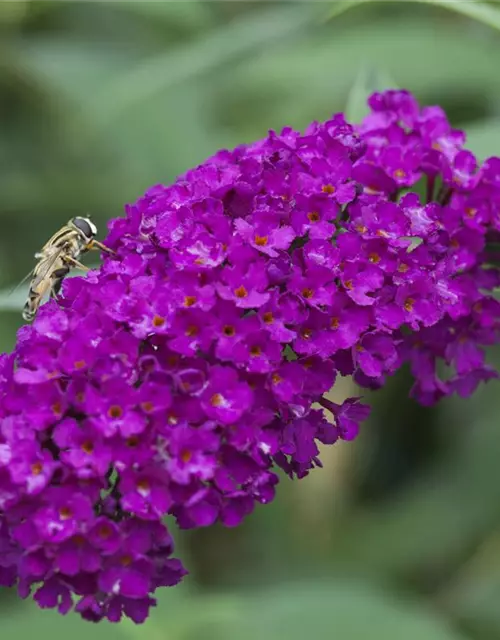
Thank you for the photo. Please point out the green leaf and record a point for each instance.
(25, 620)
(428, 525)
(187, 617)
(310, 78)
(192, 15)
(367, 82)
(157, 140)
(70, 69)
(483, 138)
(343, 609)
(473, 593)
(341, 7)
(167, 69)
(13, 12)
(479, 11)
(13, 300)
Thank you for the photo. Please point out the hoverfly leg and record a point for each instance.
(95, 245)
(56, 288)
(57, 280)
(75, 263)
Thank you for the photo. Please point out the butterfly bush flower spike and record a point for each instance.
(177, 378)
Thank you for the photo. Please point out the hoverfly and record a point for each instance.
(57, 257)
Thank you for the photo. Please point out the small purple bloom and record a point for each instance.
(144, 494)
(376, 355)
(31, 468)
(226, 397)
(192, 454)
(82, 448)
(77, 555)
(126, 575)
(54, 594)
(348, 416)
(63, 516)
(264, 238)
(315, 216)
(244, 284)
(361, 281)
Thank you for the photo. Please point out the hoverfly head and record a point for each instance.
(85, 227)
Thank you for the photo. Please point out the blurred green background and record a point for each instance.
(398, 537)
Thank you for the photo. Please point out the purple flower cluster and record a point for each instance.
(176, 378)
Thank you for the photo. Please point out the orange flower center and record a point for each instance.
(158, 321)
(36, 468)
(261, 241)
(241, 292)
(192, 331)
(143, 485)
(57, 408)
(115, 411)
(132, 442)
(216, 400)
(328, 188)
(87, 447)
(408, 305)
(65, 513)
(104, 531)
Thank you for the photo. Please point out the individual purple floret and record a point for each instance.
(180, 376)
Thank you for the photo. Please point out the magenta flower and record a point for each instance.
(174, 380)
(244, 284)
(226, 397)
(264, 237)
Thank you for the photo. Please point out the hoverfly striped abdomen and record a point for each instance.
(56, 259)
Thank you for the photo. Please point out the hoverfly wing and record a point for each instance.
(20, 284)
(48, 260)
(45, 265)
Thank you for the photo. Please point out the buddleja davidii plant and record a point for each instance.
(176, 378)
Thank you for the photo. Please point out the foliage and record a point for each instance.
(398, 536)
